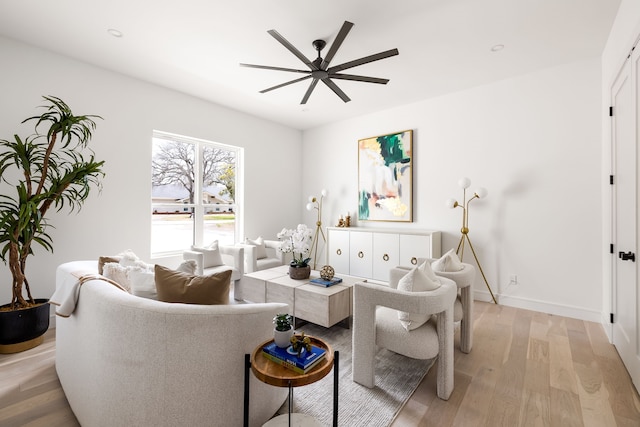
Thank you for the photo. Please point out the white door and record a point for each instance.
(625, 265)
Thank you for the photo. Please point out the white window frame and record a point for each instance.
(199, 206)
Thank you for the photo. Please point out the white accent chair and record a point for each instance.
(261, 258)
(463, 308)
(232, 258)
(376, 324)
(463, 312)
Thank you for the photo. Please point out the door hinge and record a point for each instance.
(610, 248)
(611, 317)
(611, 111)
(611, 179)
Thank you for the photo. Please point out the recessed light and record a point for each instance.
(497, 48)
(114, 32)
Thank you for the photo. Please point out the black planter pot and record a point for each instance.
(23, 329)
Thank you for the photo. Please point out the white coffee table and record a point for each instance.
(252, 286)
(313, 303)
(325, 306)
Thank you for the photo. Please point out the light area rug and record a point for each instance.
(397, 377)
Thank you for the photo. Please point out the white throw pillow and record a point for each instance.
(189, 266)
(128, 258)
(448, 262)
(143, 282)
(415, 281)
(261, 250)
(117, 273)
(425, 267)
(211, 255)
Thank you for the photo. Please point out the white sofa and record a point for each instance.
(124, 360)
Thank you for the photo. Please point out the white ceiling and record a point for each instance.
(195, 46)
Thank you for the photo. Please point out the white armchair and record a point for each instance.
(463, 308)
(221, 258)
(376, 323)
(261, 254)
(464, 303)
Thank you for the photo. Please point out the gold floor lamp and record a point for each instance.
(315, 203)
(453, 203)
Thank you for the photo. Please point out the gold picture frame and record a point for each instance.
(385, 177)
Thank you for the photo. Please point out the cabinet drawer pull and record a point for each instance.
(414, 260)
(339, 251)
(360, 254)
(385, 257)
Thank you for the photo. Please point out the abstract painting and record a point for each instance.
(385, 174)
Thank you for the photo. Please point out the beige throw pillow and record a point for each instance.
(448, 262)
(175, 286)
(261, 250)
(415, 281)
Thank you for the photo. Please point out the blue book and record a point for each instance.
(326, 283)
(287, 357)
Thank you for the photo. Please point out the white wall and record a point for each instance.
(624, 33)
(119, 218)
(534, 143)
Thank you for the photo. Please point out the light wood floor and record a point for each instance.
(530, 369)
(525, 369)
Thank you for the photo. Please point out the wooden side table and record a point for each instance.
(274, 374)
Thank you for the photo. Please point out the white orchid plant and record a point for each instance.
(297, 241)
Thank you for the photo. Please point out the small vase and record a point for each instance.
(299, 273)
(282, 338)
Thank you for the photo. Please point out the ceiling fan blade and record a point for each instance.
(359, 78)
(285, 84)
(292, 49)
(268, 67)
(307, 94)
(336, 89)
(365, 60)
(342, 34)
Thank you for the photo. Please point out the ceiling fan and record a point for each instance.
(319, 69)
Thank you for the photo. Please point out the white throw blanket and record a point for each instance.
(66, 295)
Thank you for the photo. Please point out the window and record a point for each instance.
(193, 193)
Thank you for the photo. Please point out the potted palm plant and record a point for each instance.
(48, 169)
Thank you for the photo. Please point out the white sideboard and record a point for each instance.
(370, 253)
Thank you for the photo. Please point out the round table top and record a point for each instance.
(274, 374)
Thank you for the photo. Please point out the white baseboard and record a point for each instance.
(542, 306)
(607, 326)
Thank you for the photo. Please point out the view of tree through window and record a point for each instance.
(193, 193)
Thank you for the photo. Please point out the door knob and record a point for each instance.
(628, 256)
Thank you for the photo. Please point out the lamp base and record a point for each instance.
(465, 236)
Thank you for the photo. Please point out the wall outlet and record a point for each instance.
(513, 279)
